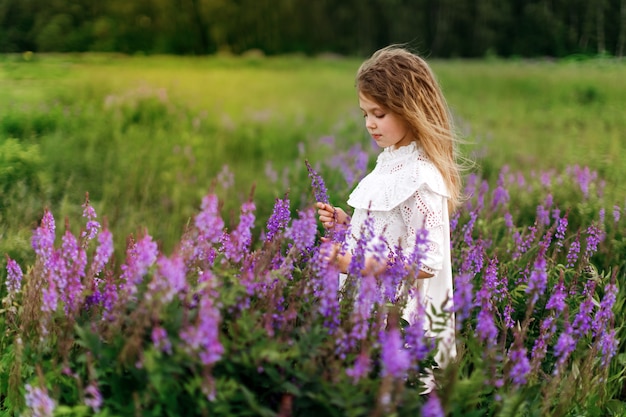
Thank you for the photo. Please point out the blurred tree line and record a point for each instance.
(442, 28)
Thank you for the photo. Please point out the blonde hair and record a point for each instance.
(404, 83)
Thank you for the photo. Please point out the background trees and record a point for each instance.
(443, 28)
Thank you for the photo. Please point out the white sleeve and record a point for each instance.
(424, 209)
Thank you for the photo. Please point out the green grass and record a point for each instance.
(147, 136)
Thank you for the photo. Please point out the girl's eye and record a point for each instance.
(379, 116)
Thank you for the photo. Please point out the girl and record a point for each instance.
(416, 182)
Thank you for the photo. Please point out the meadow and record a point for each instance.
(149, 137)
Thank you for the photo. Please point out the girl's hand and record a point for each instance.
(330, 216)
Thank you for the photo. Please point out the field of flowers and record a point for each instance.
(216, 300)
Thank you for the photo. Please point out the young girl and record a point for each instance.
(416, 182)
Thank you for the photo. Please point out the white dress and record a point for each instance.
(406, 192)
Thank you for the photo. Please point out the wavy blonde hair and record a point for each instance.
(404, 83)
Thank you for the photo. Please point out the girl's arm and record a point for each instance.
(330, 216)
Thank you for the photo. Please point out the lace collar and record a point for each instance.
(398, 174)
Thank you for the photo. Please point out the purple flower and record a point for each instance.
(160, 340)
(605, 315)
(364, 304)
(43, 239)
(417, 344)
(557, 299)
(538, 277)
(432, 407)
(572, 254)
(93, 398)
(616, 213)
(561, 229)
(202, 337)
(236, 244)
(362, 366)
(103, 253)
(169, 279)
(38, 401)
(500, 194)
(582, 322)
(594, 237)
(327, 289)
(14, 278)
(565, 345)
(109, 298)
(584, 177)
(208, 221)
(486, 329)
(303, 230)
(395, 359)
(546, 330)
(92, 227)
(140, 256)
(463, 295)
(317, 182)
(225, 177)
(279, 219)
(608, 346)
(520, 367)
(75, 259)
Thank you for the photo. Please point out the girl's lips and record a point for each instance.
(376, 136)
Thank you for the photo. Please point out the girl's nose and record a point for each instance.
(369, 123)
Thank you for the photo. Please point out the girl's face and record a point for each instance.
(387, 128)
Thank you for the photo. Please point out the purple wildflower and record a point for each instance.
(417, 344)
(557, 299)
(508, 221)
(362, 366)
(463, 294)
(43, 239)
(14, 278)
(140, 256)
(594, 237)
(236, 244)
(605, 315)
(279, 219)
(582, 322)
(538, 278)
(500, 194)
(486, 329)
(93, 398)
(303, 230)
(208, 221)
(317, 182)
(395, 359)
(202, 337)
(561, 229)
(169, 279)
(109, 298)
(432, 407)
(160, 340)
(616, 213)
(364, 304)
(608, 346)
(543, 215)
(574, 250)
(38, 401)
(75, 259)
(104, 251)
(565, 345)
(520, 365)
(547, 328)
(225, 177)
(328, 288)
